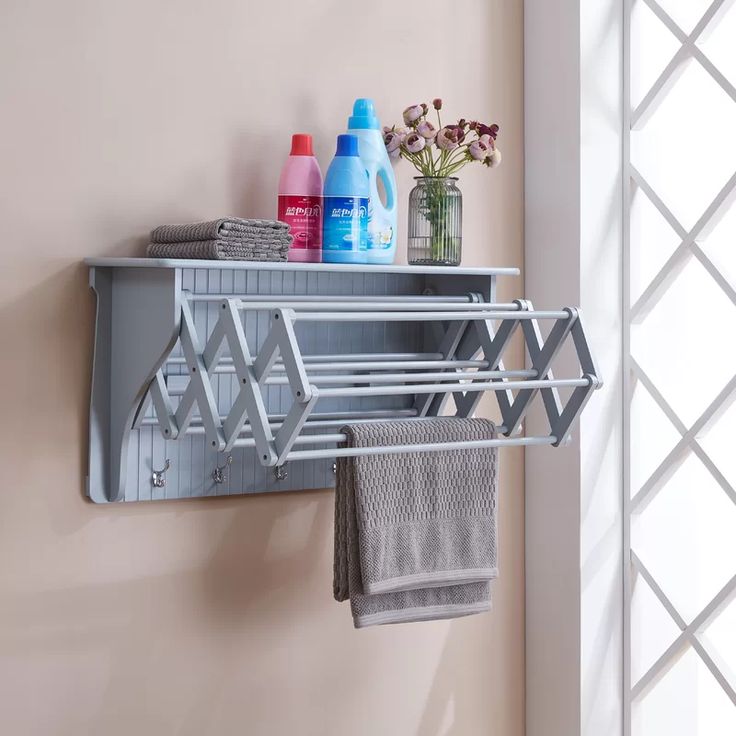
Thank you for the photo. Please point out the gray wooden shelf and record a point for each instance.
(296, 267)
(197, 362)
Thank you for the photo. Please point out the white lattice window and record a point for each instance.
(681, 344)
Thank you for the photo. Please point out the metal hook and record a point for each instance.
(218, 475)
(158, 477)
(280, 472)
(334, 468)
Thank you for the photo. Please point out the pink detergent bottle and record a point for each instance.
(300, 200)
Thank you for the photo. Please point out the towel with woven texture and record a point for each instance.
(228, 238)
(415, 533)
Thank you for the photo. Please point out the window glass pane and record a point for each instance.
(653, 241)
(687, 701)
(678, 337)
(687, 149)
(652, 631)
(720, 244)
(720, 640)
(652, 48)
(652, 437)
(686, 539)
(718, 44)
(685, 13)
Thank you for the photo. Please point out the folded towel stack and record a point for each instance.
(415, 533)
(226, 239)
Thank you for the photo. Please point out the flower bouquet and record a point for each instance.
(438, 152)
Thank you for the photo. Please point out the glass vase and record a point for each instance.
(435, 222)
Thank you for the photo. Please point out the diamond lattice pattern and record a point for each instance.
(682, 420)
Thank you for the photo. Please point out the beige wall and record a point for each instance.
(215, 617)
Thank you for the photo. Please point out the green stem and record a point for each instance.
(452, 160)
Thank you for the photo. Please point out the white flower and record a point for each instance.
(478, 150)
(495, 158)
(426, 130)
(487, 140)
(412, 113)
(414, 143)
(447, 139)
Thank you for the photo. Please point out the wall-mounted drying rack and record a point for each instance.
(213, 378)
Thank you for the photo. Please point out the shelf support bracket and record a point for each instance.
(137, 324)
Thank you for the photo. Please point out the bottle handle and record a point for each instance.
(388, 187)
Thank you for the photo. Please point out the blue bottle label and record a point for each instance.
(345, 223)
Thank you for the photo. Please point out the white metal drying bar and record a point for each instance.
(419, 316)
(379, 378)
(444, 388)
(385, 306)
(393, 378)
(366, 365)
(427, 447)
(318, 424)
(280, 300)
(317, 418)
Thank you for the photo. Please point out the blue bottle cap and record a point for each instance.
(347, 145)
(364, 115)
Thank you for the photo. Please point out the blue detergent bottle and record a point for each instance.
(346, 197)
(382, 217)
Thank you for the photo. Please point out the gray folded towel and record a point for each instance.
(415, 533)
(226, 239)
(221, 250)
(226, 228)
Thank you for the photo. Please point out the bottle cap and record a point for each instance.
(301, 145)
(347, 145)
(364, 115)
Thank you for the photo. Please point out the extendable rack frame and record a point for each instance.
(213, 378)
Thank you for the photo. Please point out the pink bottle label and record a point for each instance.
(303, 214)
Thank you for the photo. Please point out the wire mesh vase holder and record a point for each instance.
(225, 376)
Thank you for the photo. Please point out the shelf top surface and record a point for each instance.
(285, 266)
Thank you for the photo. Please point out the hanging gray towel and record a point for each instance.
(225, 228)
(415, 533)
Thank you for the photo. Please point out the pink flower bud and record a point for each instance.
(447, 139)
(412, 113)
(437, 103)
(392, 141)
(414, 143)
(478, 150)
